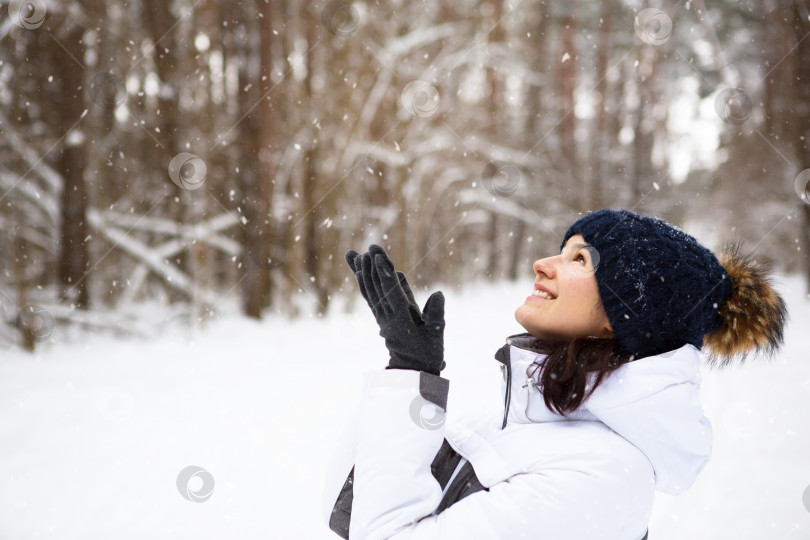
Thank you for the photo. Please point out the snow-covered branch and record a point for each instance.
(33, 158)
(155, 259)
(422, 36)
(186, 233)
(505, 206)
(441, 142)
(42, 199)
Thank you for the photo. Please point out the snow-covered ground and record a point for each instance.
(94, 432)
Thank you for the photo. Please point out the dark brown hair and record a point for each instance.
(563, 378)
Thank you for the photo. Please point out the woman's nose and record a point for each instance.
(545, 266)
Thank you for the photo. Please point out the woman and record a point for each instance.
(601, 394)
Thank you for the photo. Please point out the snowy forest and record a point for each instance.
(180, 181)
(207, 154)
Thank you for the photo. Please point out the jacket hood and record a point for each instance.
(652, 402)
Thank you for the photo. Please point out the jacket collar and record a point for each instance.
(652, 402)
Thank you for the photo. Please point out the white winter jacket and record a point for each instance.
(591, 475)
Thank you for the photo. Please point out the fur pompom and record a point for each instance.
(754, 315)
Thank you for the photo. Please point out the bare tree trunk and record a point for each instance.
(256, 133)
(801, 21)
(644, 122)
(566, 85)
(617, 153)
(310, 191)
(160, 21)
(201, 262)
(270, 124)
(515, 268)
(317, 196)
(230, 192)
(538, 28)
(73, 258)
(20, 259)
(162, 139)
(495, 112)
(777, 44)
(103, 154)
(593, 197)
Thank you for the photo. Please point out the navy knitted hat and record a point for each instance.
(662, 289)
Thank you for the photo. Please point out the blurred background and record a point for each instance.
(211, 155)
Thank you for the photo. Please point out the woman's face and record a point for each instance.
(575, 310)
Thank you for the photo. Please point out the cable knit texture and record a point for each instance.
(660, 288)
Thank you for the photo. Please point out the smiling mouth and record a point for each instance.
(537, 293)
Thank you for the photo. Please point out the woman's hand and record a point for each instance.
(414, 338)
(355, 260)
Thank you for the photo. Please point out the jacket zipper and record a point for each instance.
(503, 357)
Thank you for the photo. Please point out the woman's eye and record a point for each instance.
(580, 256)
